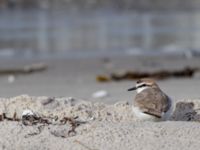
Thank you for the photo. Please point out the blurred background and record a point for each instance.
(79, 39)
(80, 28)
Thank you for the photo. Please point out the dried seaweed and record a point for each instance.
(4, 117)
(159, 75)
(1, 117)
(102, 78)
(72, 122)
(33, 120)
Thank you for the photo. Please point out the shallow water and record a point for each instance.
(39, 33)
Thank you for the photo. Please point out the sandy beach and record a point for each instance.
(93, 126)
(66, 89)
(70, 70)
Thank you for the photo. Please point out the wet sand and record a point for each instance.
(77, 78)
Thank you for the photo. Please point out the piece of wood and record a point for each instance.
(24, 70)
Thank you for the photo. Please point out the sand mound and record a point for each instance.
(70, 107)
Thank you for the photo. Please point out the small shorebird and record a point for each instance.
(151, 103)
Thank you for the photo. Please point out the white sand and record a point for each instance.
(109, 127)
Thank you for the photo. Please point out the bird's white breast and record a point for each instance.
(146, 117)
(143, 116)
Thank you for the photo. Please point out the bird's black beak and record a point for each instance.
(133, 88)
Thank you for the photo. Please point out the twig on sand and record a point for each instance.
(85, 146)
(4, 117)
(1, 117)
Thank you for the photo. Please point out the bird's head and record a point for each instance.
(143, 84)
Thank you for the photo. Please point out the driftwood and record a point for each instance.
(24, 70)
(159, 75)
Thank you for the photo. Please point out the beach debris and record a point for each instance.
(4, 117)
(60, 126)
(100, 94)
(11, 79)
(27, 112)
(159, 75)
(72, 122)
(35, 67)
(1, 117)
(15, 117)
(67, 131)
(38, 67)
(102, 78)
(30, 118)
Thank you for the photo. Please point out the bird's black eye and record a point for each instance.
(139, 81)
(142, 85)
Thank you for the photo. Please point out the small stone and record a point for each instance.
(47, 101)
(27, 112)
(11, 78)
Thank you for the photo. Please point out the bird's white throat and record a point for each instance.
(140, 89)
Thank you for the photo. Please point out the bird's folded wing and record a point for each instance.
(152, 112)
(152, 101)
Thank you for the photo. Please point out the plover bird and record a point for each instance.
(151, 103)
